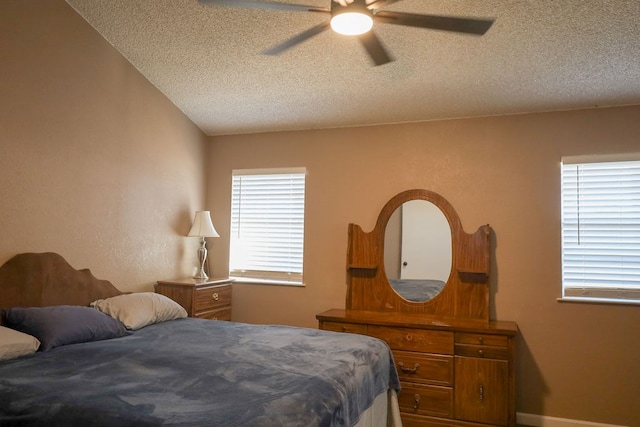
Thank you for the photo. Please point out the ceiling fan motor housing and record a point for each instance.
(353, 19)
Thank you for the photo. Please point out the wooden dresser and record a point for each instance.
(452, 373)
(206, 299)
(456, 366)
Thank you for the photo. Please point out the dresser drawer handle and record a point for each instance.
(416, 402)
(215, 296)
(480, 340)
(410, 370)
(481, 353)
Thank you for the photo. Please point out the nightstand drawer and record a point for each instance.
(206, 299)
(221, 314)
(212, 297)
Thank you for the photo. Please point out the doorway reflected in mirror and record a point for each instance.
(417, 250)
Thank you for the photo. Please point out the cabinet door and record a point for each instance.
(482, 390)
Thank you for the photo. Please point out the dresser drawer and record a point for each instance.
(482, 339)
(426, 400)
(424, 368)
(413, 420)
(221, 314)
(414, 339)
(212, 297)
(352, 328)
(482, 351)
(482, 345)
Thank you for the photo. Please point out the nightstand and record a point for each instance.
(205, 299)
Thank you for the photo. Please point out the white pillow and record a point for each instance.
(141, 309)
(15, 343)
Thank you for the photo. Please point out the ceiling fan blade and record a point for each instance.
(375, 48)
(276, 50)
(435, 22)
(264, 5)
(379, 4)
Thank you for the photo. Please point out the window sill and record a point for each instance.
(590, 300)
(252, 281)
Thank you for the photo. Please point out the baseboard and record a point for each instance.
(543, 421)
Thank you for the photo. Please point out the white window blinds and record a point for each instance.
(267, 225)
(601, 229)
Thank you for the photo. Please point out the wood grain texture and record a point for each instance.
(456, 366)
(466, 294)
(206, 299)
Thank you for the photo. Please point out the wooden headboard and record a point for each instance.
(44, 279)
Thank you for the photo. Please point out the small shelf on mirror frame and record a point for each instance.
(473, 276)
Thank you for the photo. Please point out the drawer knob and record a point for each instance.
(416, 402)
(481, 353)
(410, 370)
(480, 340)
(215, 296)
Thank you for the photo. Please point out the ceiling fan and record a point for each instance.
(356, 18)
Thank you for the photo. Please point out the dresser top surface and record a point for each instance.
(419, 321)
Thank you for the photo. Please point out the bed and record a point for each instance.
(152, 365)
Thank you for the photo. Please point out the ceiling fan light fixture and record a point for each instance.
(352, 20)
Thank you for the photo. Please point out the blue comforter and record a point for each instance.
(194, 372)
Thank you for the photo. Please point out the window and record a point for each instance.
(267, 225)
(601, 228)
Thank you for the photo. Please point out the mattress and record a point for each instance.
(192, 372)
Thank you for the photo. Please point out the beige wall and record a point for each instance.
(575, 361)
(95, 163)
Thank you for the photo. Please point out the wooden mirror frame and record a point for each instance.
(466, 293)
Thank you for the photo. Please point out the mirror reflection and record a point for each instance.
(417, 250)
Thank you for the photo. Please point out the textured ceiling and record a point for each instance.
(540, 55)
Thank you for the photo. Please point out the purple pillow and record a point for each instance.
(60, 325)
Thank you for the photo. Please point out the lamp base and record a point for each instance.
(201, 275)
(202, 257)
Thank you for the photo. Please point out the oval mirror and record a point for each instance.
(417, 250)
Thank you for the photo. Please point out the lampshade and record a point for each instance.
(202, 226)
(351, 20)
